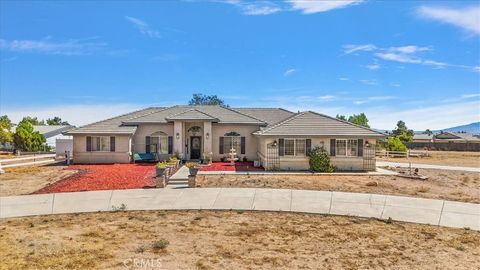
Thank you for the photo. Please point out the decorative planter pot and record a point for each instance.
(160, 171)
(193, 171)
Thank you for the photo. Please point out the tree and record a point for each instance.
(56, 121)
(6, 134)
(428, 132)
(26, 138)
(319, 160)
(341, 117)
(201, 99)
(402, 132)
(395, 144)
(360, 119)
(34, 121)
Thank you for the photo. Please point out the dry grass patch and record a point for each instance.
(448, 158)
(441, 184)
(25, 180)
(231, 240)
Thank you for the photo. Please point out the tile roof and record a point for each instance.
(192, 114)
(315, 124)
(50, 131)
(113, 125)
(422, 137)
(223, 114)
(269, 115)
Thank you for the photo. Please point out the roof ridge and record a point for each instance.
(206, 114)
(283, 121)
(233, 110)
(343, 121)
(189, 110)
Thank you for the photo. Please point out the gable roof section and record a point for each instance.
(315, 124)
(218, 113)
(269, 115)
(113, 125)
(192, 114)
(50, 131)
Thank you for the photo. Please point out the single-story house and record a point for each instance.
(447, 141)
(275, 137)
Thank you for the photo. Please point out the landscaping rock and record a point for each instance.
(372, 184)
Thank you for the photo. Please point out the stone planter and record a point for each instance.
(191, 181)
(160, 182)
(193, 171)
(160, 171)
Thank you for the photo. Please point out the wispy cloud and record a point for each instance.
(351, 48)
(344, 79)
(310, 7)
(373, 66)
(143, 27)
(467, 18)
(326, 98)
(255, 7)
(289, 72)
(369, 82)
(48, 46)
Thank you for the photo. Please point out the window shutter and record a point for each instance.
(308, 146)
(360, 147)
(332, 147)
(281, 147)
(112, 144)
(147, 144)
(220, 147)
(242, 145)
(89, 144)
(170, 144)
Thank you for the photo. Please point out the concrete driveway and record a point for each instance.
(409, 209)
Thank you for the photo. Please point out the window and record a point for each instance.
(348, 148)
(101, 144)
(159, 144)
(341, 148)
(352, 148)
(295, 147)
(230, 142)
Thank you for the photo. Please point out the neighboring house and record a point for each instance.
(278, 138)
(53, 133)
(448, 141)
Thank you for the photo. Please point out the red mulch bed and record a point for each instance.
(225, 166)
(103, 177)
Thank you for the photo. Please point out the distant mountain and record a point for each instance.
(470, 128)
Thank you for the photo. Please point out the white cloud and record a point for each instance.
(373, 66)
(260, 9)
(289, 72)
(409, 49)
(309, 7)
(395, 84)
(369, 82)
(467, 18)
(143, 27)
(350, 48)
(344, 79)
(397, 57)
(47, 46)
(326, 98)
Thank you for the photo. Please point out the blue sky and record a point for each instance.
(85, 61)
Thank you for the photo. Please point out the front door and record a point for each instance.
(195, 146)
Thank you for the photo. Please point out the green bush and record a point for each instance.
(395, 144)
(160, 244)
(319, 160)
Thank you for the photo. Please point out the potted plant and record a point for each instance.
(173, 161)
(192, 167)
(160, 168)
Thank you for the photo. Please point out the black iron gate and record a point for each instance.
(369, 158)
(272, 159)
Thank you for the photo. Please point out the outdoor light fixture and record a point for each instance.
(275, 143)
(367, 144)
(207, 135)
(177, 135)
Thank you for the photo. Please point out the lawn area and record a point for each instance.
(232, 240)
(449, 158)
(441, 184)
(25, 180)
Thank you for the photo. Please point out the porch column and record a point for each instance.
(178, 138)
(207, 137)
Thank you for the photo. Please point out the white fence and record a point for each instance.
(409, 153)
(32, 160)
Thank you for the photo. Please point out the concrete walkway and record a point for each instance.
(417, 210)
(427, 166)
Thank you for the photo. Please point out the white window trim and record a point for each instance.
(228, 148)
(165, 137)
(295, 147)
(346, 148)
(93, 143)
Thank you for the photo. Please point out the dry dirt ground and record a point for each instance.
(25, 180)
(441, 184)
(231, 240)
(449, 158)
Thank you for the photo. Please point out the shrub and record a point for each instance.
(395, 144)
(319, 160)
(162, 164)
(160, 244)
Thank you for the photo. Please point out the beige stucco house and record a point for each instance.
(277, 138)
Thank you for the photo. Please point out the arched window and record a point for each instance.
(231, 140)
(159, 142)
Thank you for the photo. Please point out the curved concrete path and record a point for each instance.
(427, 166)
(417, 210)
